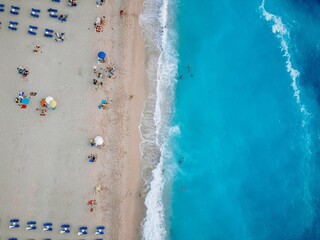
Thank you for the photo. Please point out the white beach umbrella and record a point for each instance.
(49, 99)
(98, 140)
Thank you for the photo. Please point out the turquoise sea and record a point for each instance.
(236, 121)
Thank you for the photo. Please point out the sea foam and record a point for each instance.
(161, 67)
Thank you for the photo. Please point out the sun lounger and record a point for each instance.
(48, 33)
(82, 233)
(65, 231)
(13, 23)
(35, 12)
(55, 0)
(12, 28)
(47, 224)
(14, 12)
(1, 5)
(48, 229)
(65, 226)
(52, 10)
(14, 220)
(101, 228)
(31, 228)
(31, 223)
(13, 238)
(13, 225)
(52, 15)
(15, 7)
(32, 30)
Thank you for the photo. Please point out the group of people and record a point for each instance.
(23, 71)
(72, 3)
(99, 23)
(99, 2)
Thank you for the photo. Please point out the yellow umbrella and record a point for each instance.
(53, 104)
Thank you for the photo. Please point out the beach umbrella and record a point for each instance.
(102, 55)
(98, 140)
(53, 104)
(49, 99)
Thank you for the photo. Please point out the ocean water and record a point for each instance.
(231, 125)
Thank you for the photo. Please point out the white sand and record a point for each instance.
(44, 174)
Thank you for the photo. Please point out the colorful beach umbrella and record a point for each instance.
(98, 140)
(49, 99)
(53, 104)
(102, 55)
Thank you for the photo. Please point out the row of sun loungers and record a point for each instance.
(53, 13)
(64, 228)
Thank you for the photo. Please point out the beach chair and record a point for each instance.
(48, 229)
(83, 228)
(31, 223)
(15, 220)
(31, 227)
(35, 12)
(53, 10)
(53, 15)
(14, 10)
(32, 30)
(82, 231)
(65, 228)
(13, 238)
(101, 228)
(14, 225)
(48, 33)
(55, 0)
(1, 7)
(11, 27)
(47, 224)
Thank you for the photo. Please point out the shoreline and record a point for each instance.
(129, 94)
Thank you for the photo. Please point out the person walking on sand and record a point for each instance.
(122, 13)
(37, 49)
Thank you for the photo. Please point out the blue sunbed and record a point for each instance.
(65, 226)
(31, 223)
(65, 231)
(101, 228)
(35, 10)
(55, 0)
(13, 238)
(1, 9)
(83, 233)
(13, 23)
(15, 7)
(14, 226)
(83, 228)
(14, 12)
(53, 10)
(48, 229)
(34, 15)
(33, 27)
(52, 15)
(12, 28)
(47, 224)
(14, 220)
(25, 101)
(48, 33)
(1, 5)
(32, 32)
(31, 228)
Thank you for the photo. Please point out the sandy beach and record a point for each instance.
(45, 175)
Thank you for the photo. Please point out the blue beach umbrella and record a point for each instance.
(102, 55)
